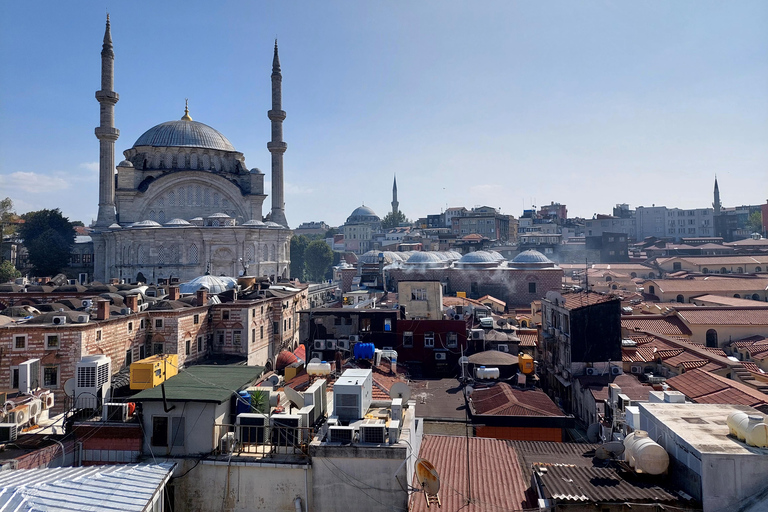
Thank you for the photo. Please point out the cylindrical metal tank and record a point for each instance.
(487, 373)
(644, 454)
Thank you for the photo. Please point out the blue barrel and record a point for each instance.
(244, 402)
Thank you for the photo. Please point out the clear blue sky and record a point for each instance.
(471, 103)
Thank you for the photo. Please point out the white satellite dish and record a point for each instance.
(400, 390)
(463, 360)
(294, 397)
(609, 450)
(69, 387)
(427, 476)
(593, 433)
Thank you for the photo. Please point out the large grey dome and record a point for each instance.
(531, 256)
(184, 133)
(363, 214)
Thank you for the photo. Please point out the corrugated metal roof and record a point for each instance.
(94, 488)
(186, 134)
(497, 481)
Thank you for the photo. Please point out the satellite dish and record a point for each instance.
(609, 450)
(273, 380)
(294, 397)
(593, 433)
(315, 360)
(400, 390)
(69, 387)
(463, 360)
(427, 476)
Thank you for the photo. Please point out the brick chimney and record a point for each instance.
(202, 297)
(102, 312)
(173, 293)
(132, 302)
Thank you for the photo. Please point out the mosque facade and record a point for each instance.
(183, 203)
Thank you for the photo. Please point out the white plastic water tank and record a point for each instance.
(487, 373)
(644, 454)
(750, 428)
(319, 368)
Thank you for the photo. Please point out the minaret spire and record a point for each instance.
(716, 205)
(276, 146)
(107, 133)
(395, 204)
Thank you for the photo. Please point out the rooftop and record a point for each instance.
(707, 388)
(724, 315)
(203, 384)
(661, 324)
(501, 399)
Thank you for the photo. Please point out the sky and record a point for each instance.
(501, 103)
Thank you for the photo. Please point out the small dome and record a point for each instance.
(125, 163)
(497, 256)
(421, 258)
(271, 224)
(177, 222)
(477, 257)
(219, 216)
(115, 226)
(184, 133)
(214, 284)
(372, 257)
(146, 224)
(531, 256)
(254, 222)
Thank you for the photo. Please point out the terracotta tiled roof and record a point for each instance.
(722, 300)
(725, 316)
(498, 482)
(668, 325)
(629, 385)
(717, 261)
(461, 301)
(580, 300)
(752, 367)
(504, 400)
(711, 283)
(750, 341)
(527, 339)
(707, 388)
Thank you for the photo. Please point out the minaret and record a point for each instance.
(716, 205)
(276, 146)
(395, 204)
(107, 133)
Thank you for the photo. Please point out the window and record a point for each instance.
(337, 321)
(285, 325)
(452, 340)
(130, 326)
(531, 287)
(87, 258)
(677, 265)
(177, 431)
(712, 338)
(196, 319)
(407, 339)
(50, 376)
(52, 341)
(98, 335)
(158, 323)
(225, 314)
(188, 347)
(275, 327)
(429, 339)
(157, 348)
(289, 323)
(75, 258)
(220, 337)
(387, 325)
(262, 332)
(159, 431)
(142, 352)
(236, 337)
(419, 294)
(141, 325)
(128, 357)
(348, 320)
(199, 343)
(366, 325)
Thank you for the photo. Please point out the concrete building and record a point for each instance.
(359, 229)
(422, 299)
(183, 201)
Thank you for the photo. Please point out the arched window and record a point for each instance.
(651, 275)
(680, 298)
(736, 295)
(633, 275)
(207, 197)
(615, 287)
(755, 296)
(723, 270)
(152, 215)
(173, 254)
(524, 323)
(608, 278)
(143, 254)
(161, 217)
(171, 198)
(705, 270)
(758, 269)
(677, 266)
(193, 258)
(198, 196)
(161, 255)
(712, 338)
(652, 290)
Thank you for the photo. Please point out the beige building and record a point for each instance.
(685, 289)
(422, 299)
(715, 264)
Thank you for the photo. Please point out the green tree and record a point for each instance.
(318, 258)
(298, 247)
(7, 216)
(48, 237)
(331, 232)
(8, 272)
(755, 222)
(392, 221)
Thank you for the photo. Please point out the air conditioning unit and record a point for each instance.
(330, 344)
(83, 319)
(503, 348)
(48, 400)
(396, 409)
(227, 443)
(115, 412)
(616, 370)
(29, 376)
(253, 428)
(317, 395)
(8, 432)
(319, 344)
(441, 356)
(19, 415)
(93, 378)
(35, 408)
(317, 355)
(87, 303)
(354, 338)
(126, 311)
(308, 417)
(339, 434)
(284, 429)
(373, 431)
(590, 371)
(394, 431)
(59, 320)
(636, 369)
(352, 394)
(478, 334)
(342, 344)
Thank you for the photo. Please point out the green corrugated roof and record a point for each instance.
(203, 384)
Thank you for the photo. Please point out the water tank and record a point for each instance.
(644, 454)
(364, 350)
(526, 363)
(750, 428)
(322, 368)
(487, 373)
(244, 402)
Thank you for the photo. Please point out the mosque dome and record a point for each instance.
(426, 259)
(531, 256)
(184, 133)
(146, 224)
(363, 214)
(214, 284)
(177, 222)
(480, 259)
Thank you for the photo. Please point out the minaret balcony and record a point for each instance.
(276, 115)
(278, 146)
(107, 132)
(108, 96)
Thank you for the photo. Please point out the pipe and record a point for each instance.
(306, 485)
(297, 504)
(63, 461)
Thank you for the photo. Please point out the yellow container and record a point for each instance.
(526, 363)
(154, 370)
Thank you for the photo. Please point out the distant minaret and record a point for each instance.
(395, 204)
(107, 133)
(276, 146)
(716, 205)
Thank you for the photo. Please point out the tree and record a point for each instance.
(331, 232)
(298, 247)
(7, 216)
(755, 222)
(317, 258)
(48, 237)
(8, 272)
(392, 221)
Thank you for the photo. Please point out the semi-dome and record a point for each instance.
(420, 258)
(184, 133)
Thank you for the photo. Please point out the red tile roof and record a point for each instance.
(710, 284)
(629, 385)
(502, 399)
(668, 325)
(707, 388)
(528, 339)
(583, 299)
(497, 479)
(725, 316)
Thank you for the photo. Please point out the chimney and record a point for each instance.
(173, 293)
(202, 297)
(103, 310)
(132, 302)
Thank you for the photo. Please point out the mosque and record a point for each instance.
(183, 203)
